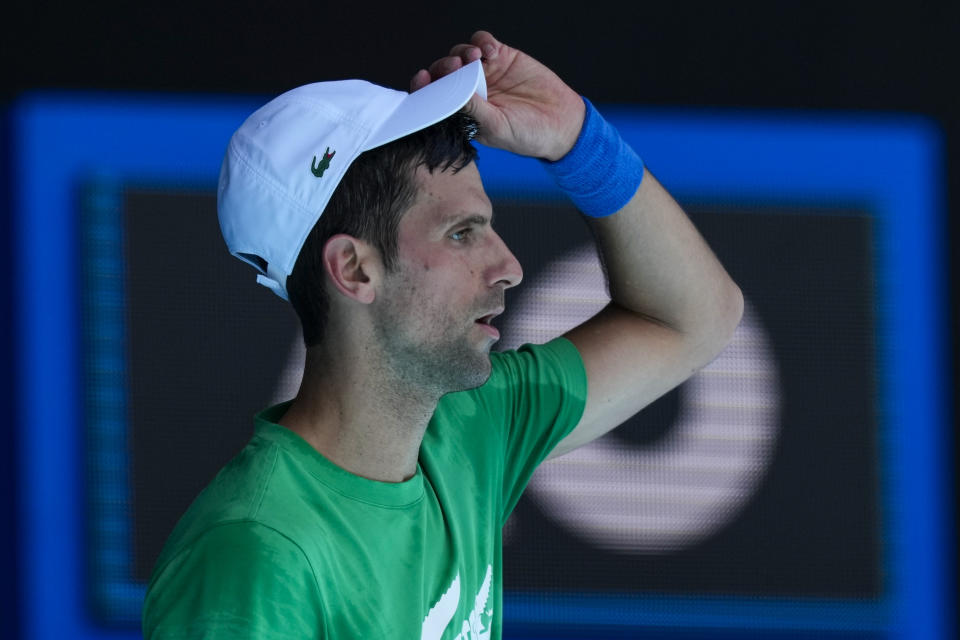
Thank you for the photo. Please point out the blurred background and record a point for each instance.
(815, 145)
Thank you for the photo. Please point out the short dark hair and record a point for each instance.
(368, 204)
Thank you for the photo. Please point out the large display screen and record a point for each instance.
(791, 487)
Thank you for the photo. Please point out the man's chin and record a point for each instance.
(473, 377)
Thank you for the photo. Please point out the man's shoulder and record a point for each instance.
(230, 582)
(531, 362)
(236, 491)
(243, 495)
(554, 367)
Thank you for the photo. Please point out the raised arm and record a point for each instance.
(673, 308)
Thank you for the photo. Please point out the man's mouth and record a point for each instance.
(485, 322)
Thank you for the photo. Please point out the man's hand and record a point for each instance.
(529, 110)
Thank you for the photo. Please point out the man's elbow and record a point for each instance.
(722, 322)
(732, 312)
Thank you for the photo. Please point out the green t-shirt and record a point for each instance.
(284, 544)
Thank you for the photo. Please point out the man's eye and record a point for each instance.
(461, 236)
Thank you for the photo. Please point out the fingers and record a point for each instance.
(438, 69)
(485, 41)
(419, 80)
(459, 56)
(443, 66)
(482, 45)
(466, 52)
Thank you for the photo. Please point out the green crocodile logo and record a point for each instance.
(318, 168)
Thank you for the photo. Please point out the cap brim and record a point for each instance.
(431, 104)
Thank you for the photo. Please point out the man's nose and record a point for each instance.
(505, 268)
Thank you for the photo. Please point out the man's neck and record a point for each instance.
(363, 419)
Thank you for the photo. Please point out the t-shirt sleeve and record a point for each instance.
(544, 388)
(237, 580)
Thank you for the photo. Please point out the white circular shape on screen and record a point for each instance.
(683, 488)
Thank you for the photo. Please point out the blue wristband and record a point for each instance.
(601, 172)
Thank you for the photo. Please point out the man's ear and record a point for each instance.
(353, 266)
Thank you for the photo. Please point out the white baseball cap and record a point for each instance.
(284, 162)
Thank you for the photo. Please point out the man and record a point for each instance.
(371, 505)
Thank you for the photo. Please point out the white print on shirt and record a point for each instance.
(441, 613)
(473, 628)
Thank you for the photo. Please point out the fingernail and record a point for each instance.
(488, 50)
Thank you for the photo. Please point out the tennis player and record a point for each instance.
(371, 504)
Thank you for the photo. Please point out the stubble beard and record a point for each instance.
(430, 350)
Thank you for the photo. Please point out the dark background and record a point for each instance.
(848, 57)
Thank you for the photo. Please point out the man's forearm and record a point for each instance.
(660, 267)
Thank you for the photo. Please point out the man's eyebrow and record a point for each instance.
(470, 218)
